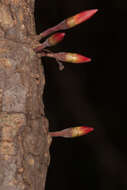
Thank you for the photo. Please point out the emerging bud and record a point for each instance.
(79, 131)
(69, 57)
(79, 18)
(55, 38)
(76, 58)
(51, 41)
(72, 132)
(69, 22)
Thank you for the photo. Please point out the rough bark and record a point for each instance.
(24, 141)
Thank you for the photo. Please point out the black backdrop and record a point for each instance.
(87, 94)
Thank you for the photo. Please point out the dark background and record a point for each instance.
(91, 94)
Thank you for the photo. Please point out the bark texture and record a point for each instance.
(24, 141)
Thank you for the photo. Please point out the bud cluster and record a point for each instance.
(58, 37)
(65, 57)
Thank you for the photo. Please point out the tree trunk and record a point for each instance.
(24, 143)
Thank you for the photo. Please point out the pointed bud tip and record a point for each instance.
(63, 34)
(93, 11)
(83, 59)
(80, 131)
(59, 34)
(87, 129)
(85, 15)
(56, 38)
(80, 17)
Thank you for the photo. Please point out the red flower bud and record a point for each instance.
(72, 132)
(51, 41)
(76, 58)
(79, 131)
(69, 57)
(80, 17)
(55, 38)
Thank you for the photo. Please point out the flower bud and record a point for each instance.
(69, 57)
(76, 58)
(51, 41)
(55, 38)
(72, 132)
(80, 17)
(79, 131)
